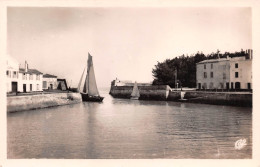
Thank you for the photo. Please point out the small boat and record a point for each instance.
(90, 90)
(135, 93)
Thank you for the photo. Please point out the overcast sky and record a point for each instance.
(125, 42)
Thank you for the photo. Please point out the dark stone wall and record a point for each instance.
(174, 96)
(156, 92)
(220, 98)
(162, 92)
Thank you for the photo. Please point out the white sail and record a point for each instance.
(90, 85)
(135, 92)
(92, 89)
(81, 80)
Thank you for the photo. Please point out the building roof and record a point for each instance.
(59, 79)
(30, 71)
(213, 60)
(49, 76)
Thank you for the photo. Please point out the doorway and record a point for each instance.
(199, 85)
(14, 86)
(227, 85)
(24, 87)
(237, 85)
(248, 85)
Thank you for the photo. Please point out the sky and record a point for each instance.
(125, 42)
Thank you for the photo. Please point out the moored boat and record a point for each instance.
(90, 90)
(135, 93)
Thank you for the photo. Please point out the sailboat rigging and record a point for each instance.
(90, 90)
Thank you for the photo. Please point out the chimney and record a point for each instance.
(26, 66)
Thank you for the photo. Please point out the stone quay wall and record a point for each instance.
(155, 92)
(29, 102)
(243, 99)
(163, 92)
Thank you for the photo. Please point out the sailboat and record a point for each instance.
(90, 91)
(135, 93)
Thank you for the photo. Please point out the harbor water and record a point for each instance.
(131, 129)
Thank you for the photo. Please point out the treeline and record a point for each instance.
(184, 68)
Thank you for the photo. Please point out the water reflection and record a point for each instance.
(123, 128)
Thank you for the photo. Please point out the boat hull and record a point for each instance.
(86, 97)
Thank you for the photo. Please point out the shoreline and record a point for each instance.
(158, 93)
(38, 101)
(163, 93)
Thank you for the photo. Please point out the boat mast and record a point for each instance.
(89, 63)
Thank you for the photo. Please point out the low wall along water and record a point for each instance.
(156, 92)
(163, 92)
(220, 98)
(29, 102)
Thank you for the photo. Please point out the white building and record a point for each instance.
(225, 73)
(241, 73)
(49, 81)
(118, 82)
(22, 79)
(122, 83)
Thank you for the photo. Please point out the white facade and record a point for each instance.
(122, 83)
(225, 73)
(213, 74)
(241, 73)
(129, 83)
(49, 82)
(22, 80)
(12, 73)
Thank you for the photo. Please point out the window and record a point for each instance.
(211, 85)
(211, 74)
(205, 74)
(31, 77)
(211, 66)
(8, 74)
(15, 74)
(37, 77)
(44, 84)
(204, 66)
(221, 85)
(204, 86)
(224, 75)
(37, 86)
(236, 74)
(236, 65)
(24, 76)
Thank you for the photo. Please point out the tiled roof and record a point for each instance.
(49, 76)
(30, 71)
